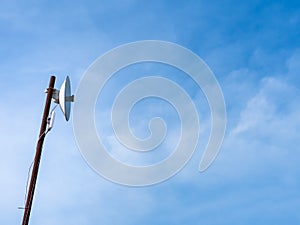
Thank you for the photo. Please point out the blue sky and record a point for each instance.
(253, 47)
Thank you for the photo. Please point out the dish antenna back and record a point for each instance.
(64, 98)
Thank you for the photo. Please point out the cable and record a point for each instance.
(49, 119)
(30, 167)
(28, 174)
(27, 182)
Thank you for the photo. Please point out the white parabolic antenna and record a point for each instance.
(65, 98)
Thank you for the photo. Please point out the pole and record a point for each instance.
(38, 153)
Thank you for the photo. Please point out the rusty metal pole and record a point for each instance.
(38, 153)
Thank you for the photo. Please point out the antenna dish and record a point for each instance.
(65, 98)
